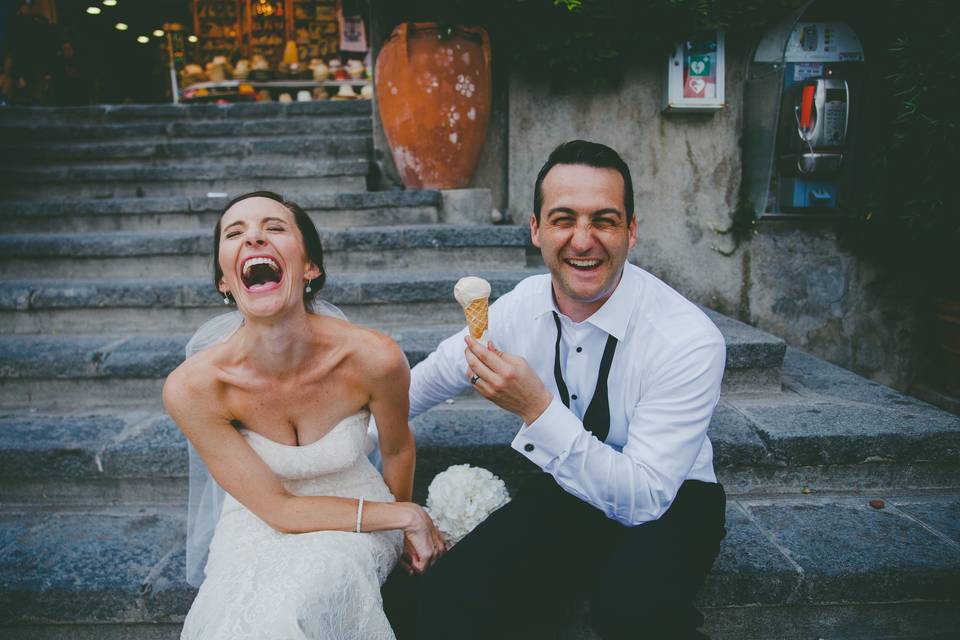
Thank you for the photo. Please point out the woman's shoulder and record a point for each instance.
(370, 349)
(195, 379)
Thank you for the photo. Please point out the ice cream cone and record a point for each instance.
(476, 315)
(473, 294)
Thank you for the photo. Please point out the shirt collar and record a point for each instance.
(613, 317)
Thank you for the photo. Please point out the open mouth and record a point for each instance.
(261, 273)
(583, 264)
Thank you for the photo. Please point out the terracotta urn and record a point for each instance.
(434, 97)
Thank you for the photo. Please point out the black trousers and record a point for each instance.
(530, 563)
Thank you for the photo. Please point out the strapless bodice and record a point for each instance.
(334, 465)
(338, 450)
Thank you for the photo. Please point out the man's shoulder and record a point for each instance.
(526, 291)
(671, 315)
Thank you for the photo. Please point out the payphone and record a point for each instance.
(823, 63)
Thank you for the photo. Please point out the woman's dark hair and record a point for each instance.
(311, 240)
(591, 154)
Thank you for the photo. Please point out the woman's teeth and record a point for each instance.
(261, 272)
(252, 262)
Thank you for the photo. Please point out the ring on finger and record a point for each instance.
(475, 378)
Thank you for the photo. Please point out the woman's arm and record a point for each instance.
(192, 398)
(389, 376)
(389, 403)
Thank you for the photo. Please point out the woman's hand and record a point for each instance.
(422, 542)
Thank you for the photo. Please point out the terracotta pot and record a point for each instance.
(434, 102)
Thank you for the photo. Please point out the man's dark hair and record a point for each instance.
(591, 154)
(311, 239)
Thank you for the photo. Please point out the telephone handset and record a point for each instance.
(822, 117)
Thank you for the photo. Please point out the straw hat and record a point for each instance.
(346, 92)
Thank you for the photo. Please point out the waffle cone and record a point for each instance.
(476, 315)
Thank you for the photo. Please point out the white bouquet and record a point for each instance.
(462, 497)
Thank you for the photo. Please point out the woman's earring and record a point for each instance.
(308, 289)
(226, 297)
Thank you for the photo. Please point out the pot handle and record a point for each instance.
(402, 32)
(485, 43)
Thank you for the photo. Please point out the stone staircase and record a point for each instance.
(106, 216)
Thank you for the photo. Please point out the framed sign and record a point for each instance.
(695, 76)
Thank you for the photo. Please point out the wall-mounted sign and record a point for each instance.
(695, 75)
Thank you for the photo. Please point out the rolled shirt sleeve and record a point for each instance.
(666, 433)
(443, 374)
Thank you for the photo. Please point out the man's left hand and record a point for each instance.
(506, 380)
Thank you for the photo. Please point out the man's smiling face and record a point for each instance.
(583, 235)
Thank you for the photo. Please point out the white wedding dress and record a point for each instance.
(264, 584)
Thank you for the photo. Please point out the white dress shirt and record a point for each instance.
(663, 386)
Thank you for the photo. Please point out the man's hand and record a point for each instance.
(506, 380)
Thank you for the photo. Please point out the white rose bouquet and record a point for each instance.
(462, 497)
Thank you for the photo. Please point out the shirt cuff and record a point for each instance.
(550, 437)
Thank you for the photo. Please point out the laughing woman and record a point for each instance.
(278, 412)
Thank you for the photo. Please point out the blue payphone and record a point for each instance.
(822, 63)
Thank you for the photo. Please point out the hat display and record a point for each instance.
(192, 74)
(355, 68)
(320, 70)
(346, 92)
(242, 70)
(290, 54)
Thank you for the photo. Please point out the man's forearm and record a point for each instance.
(438, 377)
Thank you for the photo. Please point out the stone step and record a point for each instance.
(330, 210)
(384, 298)
(852, 436)
(188, 253)
(38, 370)
(789, 568)
(188, 129)
(286, 176)
(161, 152)
(132, 113)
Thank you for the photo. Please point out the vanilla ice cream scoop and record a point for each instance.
(473, 294)
(469, 289)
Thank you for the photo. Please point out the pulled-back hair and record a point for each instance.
(311, 239)
(591, 154)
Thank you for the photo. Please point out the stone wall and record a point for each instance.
(792, 279)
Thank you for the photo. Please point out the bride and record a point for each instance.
(278, 410)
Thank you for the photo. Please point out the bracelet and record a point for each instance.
(359, 513)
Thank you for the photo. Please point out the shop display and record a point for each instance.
(273, 40)
(319, 69)
(267, 30)
(315, 28)
(217, 24)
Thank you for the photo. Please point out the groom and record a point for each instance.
(615, 377)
